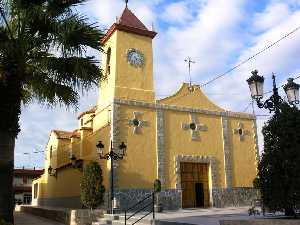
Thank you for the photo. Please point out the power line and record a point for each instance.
(250, 58)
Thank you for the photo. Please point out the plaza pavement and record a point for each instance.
(28, 219)
(210, 216)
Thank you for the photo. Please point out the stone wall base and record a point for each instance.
(233, 197)
(169, 198)
(66, 202)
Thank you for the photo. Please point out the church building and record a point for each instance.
(203, 155)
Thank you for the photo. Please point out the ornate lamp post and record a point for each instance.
(292, 91)
(256, 84)
(52, 172)
(111, 155)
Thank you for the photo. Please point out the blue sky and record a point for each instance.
(217, 34)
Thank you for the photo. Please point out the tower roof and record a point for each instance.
(128, 22)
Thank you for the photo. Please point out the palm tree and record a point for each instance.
(44, 47)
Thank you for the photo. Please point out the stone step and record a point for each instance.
(119, 219)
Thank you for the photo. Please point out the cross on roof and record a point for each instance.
(136, 123)
(126, 1)
(241, 131)
(194, 127)
(190, 61)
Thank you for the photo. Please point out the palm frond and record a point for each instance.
(58, 7)
(45, 90)
(73, 34)
(77, 71)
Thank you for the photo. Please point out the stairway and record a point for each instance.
(119, 219)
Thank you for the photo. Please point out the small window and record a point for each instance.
(108, 56)
(50, 151)
(81, 121)
(25, 180)
(35, 190)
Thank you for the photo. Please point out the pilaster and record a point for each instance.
(160, 145)
(227, 153)
(114, 136)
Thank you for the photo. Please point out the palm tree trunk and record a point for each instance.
(7, 144)
(10, 109)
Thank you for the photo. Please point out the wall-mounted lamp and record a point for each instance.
(76, 164)
(52, 172)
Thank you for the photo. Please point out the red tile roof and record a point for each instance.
(27, 172)
(128, 22)
(66, 134)
(91, 110)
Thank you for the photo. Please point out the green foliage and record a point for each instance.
(2, 222)
(256, 183)
(92, 189)
(157, 186)
(44, 55)
(279, 168)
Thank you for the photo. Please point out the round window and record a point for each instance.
(240, 131)
(192, 126)
(136, 122)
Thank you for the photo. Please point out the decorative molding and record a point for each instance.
(241, 131)
(160, 145)
(114, 135)
(196, 159)
(255, 137)
(183, 109)
(194, 126)
(227, 153)
(136, 123)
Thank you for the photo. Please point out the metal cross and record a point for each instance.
(136, 123)
(194, 127)
(126, 1)
(241, 131)
(190, 61)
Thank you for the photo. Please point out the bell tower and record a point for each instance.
(127, 61)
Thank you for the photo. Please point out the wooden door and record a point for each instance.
(194, 184)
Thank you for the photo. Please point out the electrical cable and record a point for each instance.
(250, 58)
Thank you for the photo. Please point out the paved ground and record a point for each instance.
(28, 219)
(210, 216)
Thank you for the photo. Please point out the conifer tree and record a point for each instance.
(279, 168)
(92, 190)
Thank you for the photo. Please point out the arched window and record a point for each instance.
(50, 151)
(108, 56)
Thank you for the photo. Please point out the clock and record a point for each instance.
(135, 58)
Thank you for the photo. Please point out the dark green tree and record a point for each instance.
(279, 168)
(44, 46)
(92, 190)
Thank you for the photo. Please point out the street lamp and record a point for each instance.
(256, 85)
(52, 172)
(76, 163)
(292, 91)
(111, 155)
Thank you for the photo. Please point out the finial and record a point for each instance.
(189, 61)
(126, 1)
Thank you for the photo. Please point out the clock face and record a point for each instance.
(135, 58)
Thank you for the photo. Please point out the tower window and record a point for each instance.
(50, 152)
(108, 56)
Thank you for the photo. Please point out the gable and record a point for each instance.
(194, 99)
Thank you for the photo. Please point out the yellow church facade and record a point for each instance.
(203, 155)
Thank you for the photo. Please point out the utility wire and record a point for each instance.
(250, 58)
